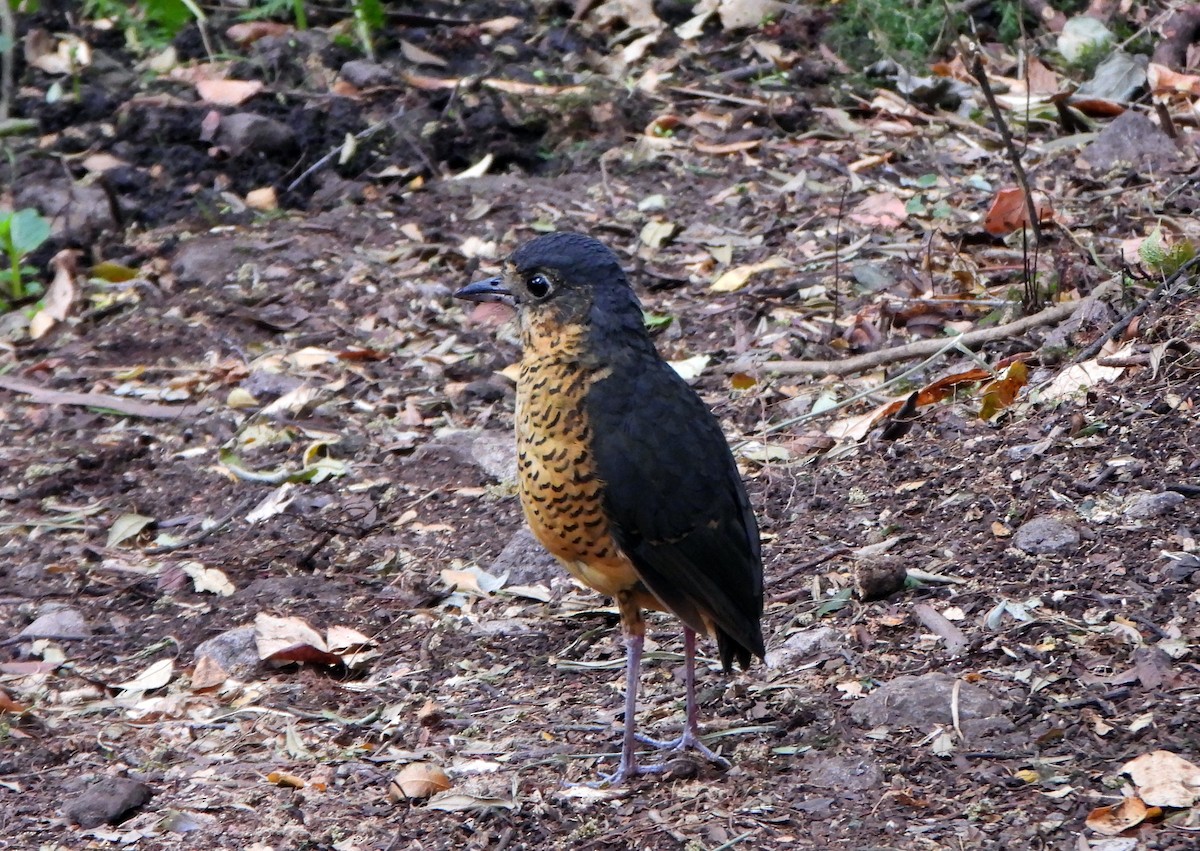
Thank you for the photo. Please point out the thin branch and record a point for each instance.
(980, 75)
(922, 348)
(1142, 307)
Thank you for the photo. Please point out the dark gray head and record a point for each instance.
(568, 275)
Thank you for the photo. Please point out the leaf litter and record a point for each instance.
(864, 233)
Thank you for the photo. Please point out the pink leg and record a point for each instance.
(690, 739)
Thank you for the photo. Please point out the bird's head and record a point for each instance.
(564, 277)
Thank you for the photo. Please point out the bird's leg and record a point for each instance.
(690, 739)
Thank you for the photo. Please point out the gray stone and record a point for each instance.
(1131, 140)
(1045, 535)
(234, 650)
(205, 261)
(248, 131)
(496, 453)
(108, 801)
(843, 773)
(923, 702)
(1146, 505)
(57, 620)
(363, 74)
(525, 561)
(801, 646)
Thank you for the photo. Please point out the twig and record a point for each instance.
(1142, 307)
(128, 407)
(358, 137)
(980, 74)
(196, 538)
(922, 348)
(8, 29)
(811, 563)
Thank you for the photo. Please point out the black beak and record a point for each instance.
(489, 289)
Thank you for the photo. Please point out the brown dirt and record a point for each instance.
(516, 698)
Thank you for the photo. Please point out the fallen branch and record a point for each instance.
(922, 348)
(1144, 305)
(120, 404)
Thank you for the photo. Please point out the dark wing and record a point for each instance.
(676, 502)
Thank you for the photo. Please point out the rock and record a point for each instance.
(1044, 535)
(1131, 140)
(234, 650)
(57, 620)
(108, 801)
(1143, 506)
(843, 773)
(525, 561)
(78, 213)
(923, 702)
(801, 646)
(363, 74)
(245, 132)
(496, 453)
(205, 261)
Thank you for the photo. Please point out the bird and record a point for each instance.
(624, 474)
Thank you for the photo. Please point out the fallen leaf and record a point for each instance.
(736, 278)
(155, 676)
(207, 674)
(418, 780)
(1164, 779)
(417, 56)
(125, 527)
(1111, 821)
(59, 297)
(227, 92)
(881, 210)
(210, 579)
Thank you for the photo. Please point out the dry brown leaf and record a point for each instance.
(736, 278)
(283, 778)
(418, 780)
(726, 147)
(1164, 81)
(245, 34)
(1008, 212)
(1164, 779)
(417, 56)
(287, 639)
(263, 199)
(208, 673)
(155, 676)
(227, 92)
(881, 210)
(59, 297)
(101, 162)
(1114, 820)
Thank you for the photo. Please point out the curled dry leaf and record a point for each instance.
(228, 92)
(1111, 821)
(155, 676)
(1164, 779)
(59, 297)
(208, 673)
(418, 780)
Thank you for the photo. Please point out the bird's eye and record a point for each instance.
(538, 285)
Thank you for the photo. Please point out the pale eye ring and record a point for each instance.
(539, 285)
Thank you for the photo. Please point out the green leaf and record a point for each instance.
(28, 230)
(127, 526)
(927, 181)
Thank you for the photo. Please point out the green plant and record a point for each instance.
(868, 30)
(147, 24)
(21, 233)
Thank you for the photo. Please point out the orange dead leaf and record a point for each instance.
(418, 780)
(228, 92)
(245, 34)
(882, 210)
(282, 778)
(726, 148)
(1111, 821)
(1007, 213)
(999, 394)
(1164, 81)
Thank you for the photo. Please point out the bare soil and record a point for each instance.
(344, 296)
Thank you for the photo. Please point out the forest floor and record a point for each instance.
(264, 581)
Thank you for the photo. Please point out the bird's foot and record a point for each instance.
(627, 770)
(690, 740)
